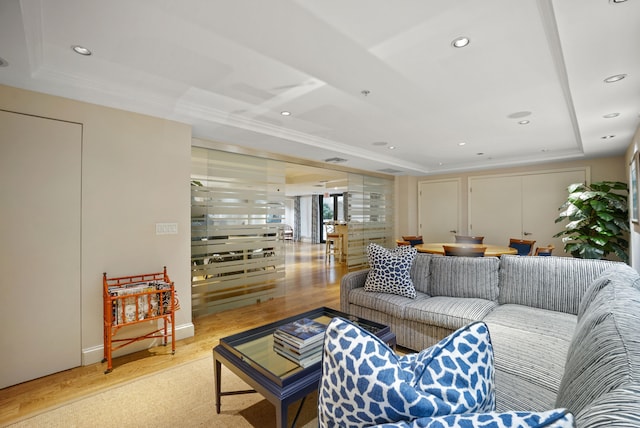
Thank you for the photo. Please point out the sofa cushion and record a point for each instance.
(475, 277)
(420, 271)
(448, 312)
(553, 283)
(528, 366)
(524, 380)
(365, 383)
(558, 418)
(389, 270)
(539, 321)
(392, 304)
(605, 352)
(619, 273)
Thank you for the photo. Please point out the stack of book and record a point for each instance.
(300, 341)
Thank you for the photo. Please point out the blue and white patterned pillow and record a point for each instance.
(389, 270)
(365, 383)
(558, 418)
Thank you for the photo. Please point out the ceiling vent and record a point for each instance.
(390, 171)
(335, 160)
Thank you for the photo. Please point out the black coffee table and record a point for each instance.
(251, 357)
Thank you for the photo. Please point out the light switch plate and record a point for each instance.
(166, 228)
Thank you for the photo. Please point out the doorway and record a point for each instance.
(332, 211)
(40, 168)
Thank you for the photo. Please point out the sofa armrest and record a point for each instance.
(351, 281)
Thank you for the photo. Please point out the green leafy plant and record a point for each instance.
(598, 218)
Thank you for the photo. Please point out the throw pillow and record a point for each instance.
(558, 418)
(365, 383)
(389, 270)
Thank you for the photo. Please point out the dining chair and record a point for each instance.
(544, 251)
(413, 240)
(470, 239)
(524, 247)
(463, 251)
(333, 243)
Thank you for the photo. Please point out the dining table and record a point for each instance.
(491, 251)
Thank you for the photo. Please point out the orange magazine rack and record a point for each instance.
(136, 299)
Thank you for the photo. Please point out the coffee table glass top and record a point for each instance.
(255, 346)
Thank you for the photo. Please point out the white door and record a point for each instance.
(495, 208)
(520, 206)
(40, 209)
(544, 195)
(439, 210)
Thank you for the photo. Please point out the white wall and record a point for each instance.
(135, 173)
(611, 168)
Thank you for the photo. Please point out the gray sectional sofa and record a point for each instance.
(565, 332)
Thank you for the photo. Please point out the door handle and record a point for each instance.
(527, 233)
(453, 231)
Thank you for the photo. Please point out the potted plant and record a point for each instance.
(598, 220)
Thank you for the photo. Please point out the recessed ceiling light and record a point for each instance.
(480, 154)
(392, 147)
(524, 122)
(611, 115)
(81, 50)
(285, 113)
(379, 143)
(460, 42)
(617, 1)
(615, 78)
(3, 62)
(462, 144)
(608, 137)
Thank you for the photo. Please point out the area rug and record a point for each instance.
(181, 396)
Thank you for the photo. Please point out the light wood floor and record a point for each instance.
(310, 283)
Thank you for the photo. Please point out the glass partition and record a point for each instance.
(237, 207)
(369, 202)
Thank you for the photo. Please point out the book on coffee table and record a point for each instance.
(301, 333)
(303, 361)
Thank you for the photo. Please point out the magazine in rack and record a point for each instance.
(139, 307)
(134, 299)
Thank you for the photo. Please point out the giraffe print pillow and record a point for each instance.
(389, 270)
(365, 383)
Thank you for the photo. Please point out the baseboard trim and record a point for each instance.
(95, 354)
